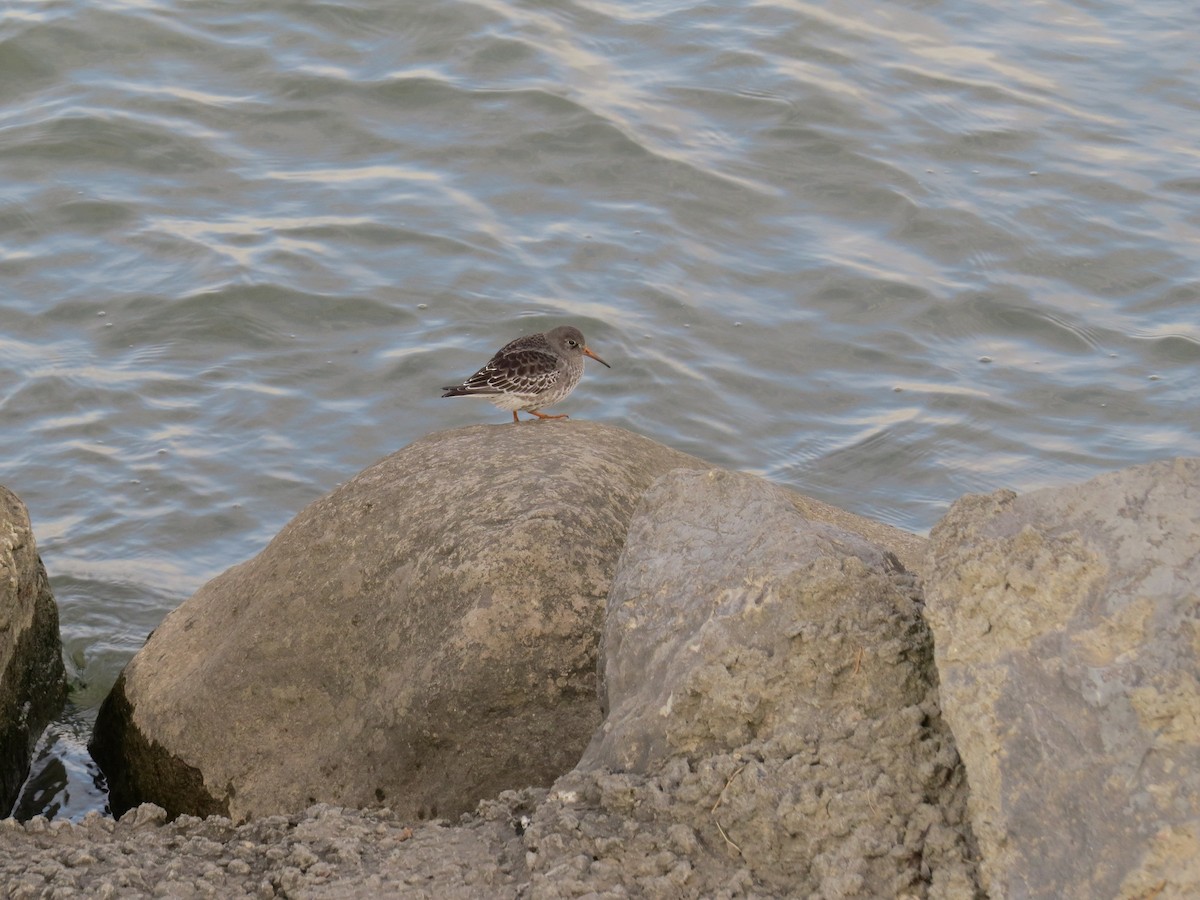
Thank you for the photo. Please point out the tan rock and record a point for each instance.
(422, 637)
(1066, 623)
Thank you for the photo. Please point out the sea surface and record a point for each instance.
(885, 254)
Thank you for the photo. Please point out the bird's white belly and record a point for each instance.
(548, 397)
(511, 402)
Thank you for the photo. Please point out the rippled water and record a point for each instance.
(885, 254)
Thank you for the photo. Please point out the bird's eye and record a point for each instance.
(573, 343)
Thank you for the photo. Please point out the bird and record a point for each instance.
(531, 372)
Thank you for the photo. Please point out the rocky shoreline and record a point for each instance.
(560, 660)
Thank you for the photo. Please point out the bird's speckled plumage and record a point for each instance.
(531, 372)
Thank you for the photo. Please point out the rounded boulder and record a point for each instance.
(422, 637)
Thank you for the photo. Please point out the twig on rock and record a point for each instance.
(720, 797)
(727, 840)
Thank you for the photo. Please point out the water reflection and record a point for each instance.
(63, 780)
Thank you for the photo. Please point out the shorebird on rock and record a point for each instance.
(531, 372)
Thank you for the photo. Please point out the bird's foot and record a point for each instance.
(542, 415)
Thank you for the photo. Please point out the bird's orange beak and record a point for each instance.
(587, 352)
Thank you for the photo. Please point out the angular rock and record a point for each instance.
(423, 637)
(772, 727)
(33, 683)
(1067, 626)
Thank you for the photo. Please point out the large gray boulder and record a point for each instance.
(423, 637)
(33, 683)
(773, 725)
(1067, 626)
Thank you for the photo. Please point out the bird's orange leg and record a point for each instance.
(542, 415)
(515, 419)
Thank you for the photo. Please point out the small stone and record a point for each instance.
(37, 825)
(147, 813)
(79, 858)
(301, 857)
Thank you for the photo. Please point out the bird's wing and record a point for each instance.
(525, 371)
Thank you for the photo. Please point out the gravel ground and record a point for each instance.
(323, 852)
